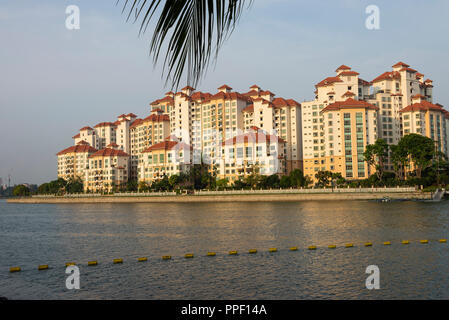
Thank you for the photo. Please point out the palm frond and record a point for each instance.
(187, 32)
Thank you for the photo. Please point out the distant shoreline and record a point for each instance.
(417, 195)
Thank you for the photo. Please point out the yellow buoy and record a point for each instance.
(273, 250)
(43, 267)
(166, 257)
(68, 264)
(312, 247)
(15, 269)
(443, 240)
(405, 242)
(332, 246)
(349, 245)
(293, 248)
(142, 259)
(387, 243)
(252, 251)
(92, 263)
(188, 255)
(368, 244)
(117, 261)
(233, 253)
(211, 254)
(424, 241)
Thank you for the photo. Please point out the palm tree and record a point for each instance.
(191, 29)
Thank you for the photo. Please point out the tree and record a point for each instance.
(420, 149)
(285, 182)
(324, 178)
(376, 155)
(131, 186)
(253, 180)
(222, 183)
(400, 160)
(190, 31)
(74, 185)
(297, 179)
(143, 186)
(21, 191)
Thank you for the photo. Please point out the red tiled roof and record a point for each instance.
(228, 96)
(428, 81)
(343, 67)
(349, 104)
(76, 136)
(225, 87)
(409, 70)
(112, 145)
(132, 115)
(83, 142)
(78, 149)
(251, 93)
(167, 145)
(348, 94)
(249, 108)
(389, 75)
(328, 81)
(419, 75)
(157, 118)
(167, 99)
(187, 88)
(105, 124)
(200, 95)
(348, 73)
(363, 82)
(254, 86)
(281, 102)
(263, 93)
(423, 106)
(86, 128)
(108, 152)
(401, 64)
(136, 123)
(419, 96)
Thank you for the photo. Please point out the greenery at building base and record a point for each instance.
(61, 186)
(21, 191)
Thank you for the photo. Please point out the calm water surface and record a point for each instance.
(57, 233)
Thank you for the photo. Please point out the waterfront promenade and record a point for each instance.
(274, 195)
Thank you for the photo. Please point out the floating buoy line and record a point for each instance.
(93, 263)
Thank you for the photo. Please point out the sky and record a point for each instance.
(54, 81)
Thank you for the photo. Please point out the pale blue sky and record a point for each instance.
(54, 81)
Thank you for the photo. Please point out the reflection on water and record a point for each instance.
(39, 234)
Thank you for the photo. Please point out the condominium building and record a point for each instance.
(107, 170)
(234, 132)
(428, 119)
(315, 141)
(393, 91)
(349, 127)
(73, 161)
(205, 120)
(255, 151)
(146, 132)
(164, 159)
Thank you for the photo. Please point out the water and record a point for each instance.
(57, 233)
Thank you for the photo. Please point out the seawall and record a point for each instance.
(417, 195)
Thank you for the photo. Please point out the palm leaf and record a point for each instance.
(189, 30)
